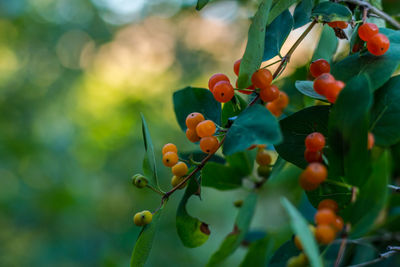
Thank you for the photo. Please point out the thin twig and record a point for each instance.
(394, 188)
(391, 251)
(342, 248)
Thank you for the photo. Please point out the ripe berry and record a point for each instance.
(169, 148)
(142, 218)
(216, 78)
(193, 119)
(324, 234)
(328, 204)
(263, 171)
(315, 141)
(192, 136)
(268, 94)
(205, 128)
(315, 173)
(177, 180)
(325, 216)
(332, 92)
(313, 156)
(223, 91)
(209, 144)
(274, 109)
(236, 66)
(378, 44)
(282, 101)
(263, 158)
(170, 159)
(323, 83)
(179, 169)
(319, 67)
(338, 24)
(338, 224)
(306, 184)
(371, 140)
(262, 78)
(367, 30)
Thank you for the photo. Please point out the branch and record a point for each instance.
(391, 251)
(375, 10)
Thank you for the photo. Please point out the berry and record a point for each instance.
(367, 31)
(169, 148)
(263, 171)
(192, 136)
(328, 204)
(223, 91)
(319, 67)
(177, 180)
(193, 119)
(378, 44)
(371, 140)
(179, 169)
(142, 218)
(323, 83)
(313, 156)
(263, 158)
(315, 142)
(306, 184)
(216, 78)
(274, 109)
(262, 78)
(236, 67)
(269, 94)
(209, 144)
(205, 128)
(333, 92)
(170, 159)
(282, 101)
(324, 234)
(338, 223)
(139, 181)
(315, 173)
(325, 216)
(298, 261)
(338, 24)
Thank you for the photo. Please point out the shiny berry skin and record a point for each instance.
(328, 204)
(269, 94)
(193, 119)
(205, 128)
(306, 184)
(192, 136)
(315, 141)
(216, 78)
(170, 159)
(274, 109)
(169, 148)
(371, 140)
(319, 67)
(313, 156)
(325, 216)
(209, 144)
(282, 101)
(367, 31)
(315, 173)
(378, 44)
(262, 78)
(338, 224)
(179, 169)
(143, 218)
(333, 91)
(323, 83)
(177, 180)
(223, 91)
(325, 234)
(263, 158)
(236, 67)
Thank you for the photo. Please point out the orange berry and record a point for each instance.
(315, 173)
(192, 135)
(325, 216)
(333, 91)
(282, 101)
(313, 156)
(274, 109)
(378, 44)
(297, 243)
(269, 94)
(263, 158)
(367, 30)
(325, 234)
(319, 67)
(315, 141)
(216, 78)
(169, 148)
(209, 144)
(328, 204)
(371, 140)
(170, 159)
(306, 184)
(179, 169)
(338, 223)
(193, 119)
(323, 83)
(205, 128)
(236, 66)
(342, 25)
(262, 78)
(223, 91)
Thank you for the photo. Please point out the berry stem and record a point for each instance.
(273, 63)
(155, 190)
(350, 187)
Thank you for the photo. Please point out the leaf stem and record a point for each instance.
(155, 190)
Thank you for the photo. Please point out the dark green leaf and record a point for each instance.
(192, 99)
(385, 114)
(356, 252)
(302, 13)
(253, 54)
(243, 162)
(327, 45)
(279, 7)
(301, 229)
(143, 244)
(306, 88)
(255, 125)
(232, 108)
(149, 161)
(283, 254)
(342, 195)
(276, 34)
(199, 156)
(191, 231)
(201, 3)
(233, 240)
(258, 253)
(329, 11)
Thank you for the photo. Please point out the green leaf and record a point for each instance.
(243, 162)
(301, 229)
(192, 99)
(256, 125)
(143, 244)
(149, 161)
(348, 130)
(385, 114)
(276, 34)
(192, 231)
(378, 68)
(259, 252)
(329, 11)
(356, 252)
(306, 88)
(201, 3)
(283, 254)
(232, 109)
(302, 13)
(327, 45)
(295, 129)
(253, 54)
(279, 7)
(342, 195)
(233, 240)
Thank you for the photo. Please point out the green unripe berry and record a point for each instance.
(263, 171)
(142, 218)
(139, 181)
(298, 261)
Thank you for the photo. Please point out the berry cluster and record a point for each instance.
(325, 84)
(338, 24)
(170, 159)
(200, 129)
(377, 43)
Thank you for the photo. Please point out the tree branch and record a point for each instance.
(391, 251)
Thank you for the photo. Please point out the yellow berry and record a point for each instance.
(179, 169)
(142, 218)
(177, 180)
(169, 148)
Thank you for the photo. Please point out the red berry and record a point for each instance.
(367, 31)
(338, 223)
(338, 24)
(306, 184)
(236, 66)
(313, 156)
(216, 78)
(274, 109)
(319, 67)
(371, 140)
(323, 83)
(332, 24)
(315, 173)
(262, 78)
(325, 216)
(282, 101)
(333, 91)
(328, 204)
(269, 94)
(315, 141)
(378, 44)
(223, 91)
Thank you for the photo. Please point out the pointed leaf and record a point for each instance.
(279, 7)
(302, 13)
(232, 109)
(327, 45)
(329, 11)
(149, 162)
